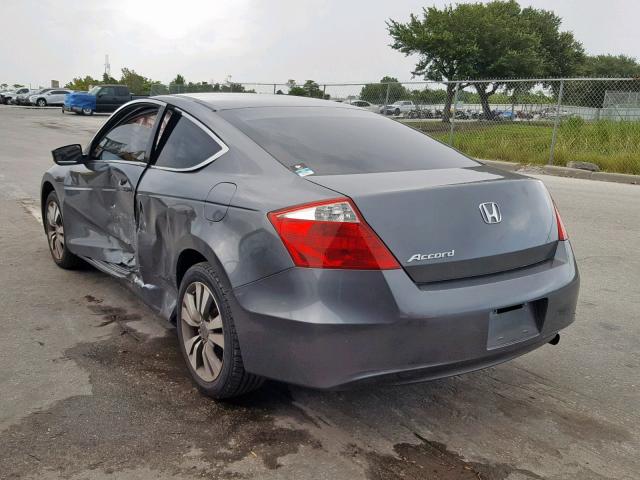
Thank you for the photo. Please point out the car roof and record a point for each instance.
(228, 101)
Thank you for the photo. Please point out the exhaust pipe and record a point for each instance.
(555, 340)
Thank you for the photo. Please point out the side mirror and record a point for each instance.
(101, 94)
(68, 155)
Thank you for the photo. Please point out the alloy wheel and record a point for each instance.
(42, 103)
(55, 230)
(202, 332)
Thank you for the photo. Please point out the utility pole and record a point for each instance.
(107, 66)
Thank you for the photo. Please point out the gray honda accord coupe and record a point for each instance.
(311, 242)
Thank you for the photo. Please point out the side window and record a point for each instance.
(184, 144)
(121, 91)
(107, 91)
(128, 140)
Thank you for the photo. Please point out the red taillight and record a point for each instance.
(562, 232)
(331, 234)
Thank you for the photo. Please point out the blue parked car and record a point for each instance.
(102, 98)
(505, 115)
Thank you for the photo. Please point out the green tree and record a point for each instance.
(178, 84)
(108, 79)
(429, 96)
(298, 91)
(591, 93)
(309, 89)
(233, 87)
(610, 66)
(179, 80)
(230, 87)
(495, 40)
(82, 84)
(159, 89)
(138, 84)
(377, 92)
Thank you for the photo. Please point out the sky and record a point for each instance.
(251, 40)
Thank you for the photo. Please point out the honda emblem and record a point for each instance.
(490, 212)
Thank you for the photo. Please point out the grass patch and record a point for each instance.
(613, 146)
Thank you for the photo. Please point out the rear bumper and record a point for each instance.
(332, 329)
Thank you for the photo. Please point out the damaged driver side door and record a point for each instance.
(99, 204)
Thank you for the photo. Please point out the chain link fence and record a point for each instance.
(536, 121)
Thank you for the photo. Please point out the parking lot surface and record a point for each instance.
(92, 384)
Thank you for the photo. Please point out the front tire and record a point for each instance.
(54, 228)
(87, 111)
(41, 102)
(207, 335)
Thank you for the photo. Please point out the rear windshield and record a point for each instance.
(336, 141)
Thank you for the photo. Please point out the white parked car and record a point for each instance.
(23, 98)
(396, 108)
(26, 99)
(50, 97)
(10, 97)
(363, 104)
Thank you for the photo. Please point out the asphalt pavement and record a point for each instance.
(92, 384)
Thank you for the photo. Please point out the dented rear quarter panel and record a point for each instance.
(170, 210)
(171, 215)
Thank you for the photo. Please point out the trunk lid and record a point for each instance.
(432, 220)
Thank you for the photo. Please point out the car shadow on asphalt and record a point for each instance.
(144, 410)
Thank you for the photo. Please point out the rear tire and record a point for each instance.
(207, 335)
(54, 229)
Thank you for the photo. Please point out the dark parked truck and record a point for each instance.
(102, 98)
